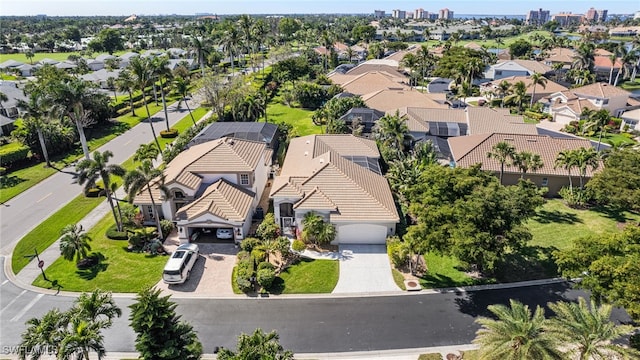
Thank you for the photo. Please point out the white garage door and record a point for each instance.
(361, 234)
(564, 119)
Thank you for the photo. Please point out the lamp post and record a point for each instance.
(40, 263)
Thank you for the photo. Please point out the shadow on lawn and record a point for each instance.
(555, 216)
(9, 181)
(98, 266)
(611, 213)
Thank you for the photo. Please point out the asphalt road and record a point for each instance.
(21, 214)
(305, 325)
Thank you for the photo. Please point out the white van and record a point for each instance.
(179, 266)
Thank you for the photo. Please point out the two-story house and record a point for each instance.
(216, 184)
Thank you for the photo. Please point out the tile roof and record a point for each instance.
(486, 120)
(327, 181)
(391, 100)
(385, 66)
(473, 149)
(549, 88)
(605, 62)
(418, 119)
(600, 90)
(576, 106)
(374, 81)
(531, 65)
(563, 55)
(221, 199)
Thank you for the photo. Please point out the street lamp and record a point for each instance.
(40, 263)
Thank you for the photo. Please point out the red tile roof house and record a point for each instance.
(567, 106)
(473, 149)
(216, 184)
(339, 178)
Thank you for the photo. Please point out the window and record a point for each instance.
(244, 179)
(545, 181)
(150, 210)
(178, 194)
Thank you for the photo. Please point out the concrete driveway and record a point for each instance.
(364, 269)
(211, 274)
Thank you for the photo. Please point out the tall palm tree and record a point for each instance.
(588, 329)
(181, 86)
(504, 89)
(98, 168)
(613, 57)
(141, 70)
(584, 59)
(200, 46)
(504, 153)
(392, 131)
(97, 307)
(567, 160)
(161, 72)
(599, 120)
(519, 94)
(36, 110)
(125, 82)
(537, 79)
(146, 152)
(245, 25)
(516, 334)
(585, 158)
(74, 93)
(74, 243)
(140, 178)
(229, 41)
(83, 337)
(526, 161)
(43, 336)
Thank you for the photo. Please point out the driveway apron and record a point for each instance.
(364, 269)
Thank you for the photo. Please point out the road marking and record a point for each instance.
(4, 282)
(26, 308)
(12, 301)
(44, 197)
(128, 142)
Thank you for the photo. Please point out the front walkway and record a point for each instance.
(364, 269)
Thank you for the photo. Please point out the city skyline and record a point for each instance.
(191, 7)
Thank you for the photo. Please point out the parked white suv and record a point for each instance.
(178, 268)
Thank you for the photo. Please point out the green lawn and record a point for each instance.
(120, 271)
(42, 55)
(615, 139)
(631, 85)
(444, 271)
(308, 277)
(45, 234)
(300, 119)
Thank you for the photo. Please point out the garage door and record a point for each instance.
(564, 119)
(361, 234)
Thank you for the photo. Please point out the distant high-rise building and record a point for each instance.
(399, 14)
(379, 14)
(602, 15)
(594, 15)
(537, 16)
(445, 14)
(565, 19)
(420, 14)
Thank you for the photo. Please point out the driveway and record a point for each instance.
(211, 274)
(364, 269)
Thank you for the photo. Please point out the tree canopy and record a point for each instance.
(618, 184)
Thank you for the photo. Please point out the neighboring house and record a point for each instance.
(125, 59)
(473, 149)
(383, 65)
(399, 55)
(254, 131)
(508, 68)
(6, 125)
(602, 67)
(95, 64)
(489, 88)
(567, 106)
(389, 101)
(101, 77)
(630, 120)
(368, 118)
(373, 81)
(564, 56)
(190, 64)
(17, 67)
(14, 94)
(216, 184)
(446, 123)
(339, 178)
(439, 85)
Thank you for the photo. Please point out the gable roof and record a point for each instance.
(317, 171)
(10, 63)
(390, 100)
(487, 120)
(605, 62)
(550, 86)
(562, 55)
(366, 115)
(473, 149)
(599, 90)
(373, 81)
(221, 199)
(254, 131)
(531, 65)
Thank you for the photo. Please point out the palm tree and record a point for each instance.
(141, 70)
(97, 307)
(613, 57)
(584, 59)
(588, 329)
(74, 93)
(567, 160)
(585, 158)
(146, 152)
(229, 41)
(392, 131)
(161, 72)
(137, 179)
(74, 243)
(181, 86)
(259, 345)
(98, 168)
(516, 334)
(82, 338)
(537, 79)
(43, 336)
(36, 110)
(504, 88)
(201, 49)
(124, 82)
(599, 120)
(503, 152)
(519, 94)
(526, 161)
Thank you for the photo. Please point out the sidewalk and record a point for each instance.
(31, 272)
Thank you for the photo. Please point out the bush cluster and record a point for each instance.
(13, 154)
(113, 233)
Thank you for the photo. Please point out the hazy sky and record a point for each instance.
(188, 7)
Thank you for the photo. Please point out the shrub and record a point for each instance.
(266, 265)
(13, 153)
(94, 192)
(244, 284)
(2, 170)
(249, 243)
(577, 198)
(113, 233)
(169, 134)
(243, 255)
(258, 254)
(268, 229)
(397, 251)
(298, 245)
(167, 227)
(634, 341)
(245, 269)
(265, 277)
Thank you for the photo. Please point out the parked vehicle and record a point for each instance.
(224, 234)
(178, 268)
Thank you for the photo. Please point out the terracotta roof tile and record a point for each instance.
(391, 100)
(374, 81)
(221, 199)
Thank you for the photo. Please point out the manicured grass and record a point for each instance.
(444, 271)
(631, 85)
(430, 356)
(300, 119)
(615, 139)
(120, 271)
(8, 77)
(45, 234)
(308, 277)
(471, 355)
(60, 56)
(557, 225)
(398, 278)
(17, 181)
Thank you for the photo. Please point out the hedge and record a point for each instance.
(169, 134)
(13, 153)
(113, 233)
